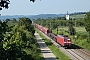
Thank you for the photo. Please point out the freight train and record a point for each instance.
(62, 39)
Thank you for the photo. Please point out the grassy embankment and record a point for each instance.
(81, 41)
(58, 53)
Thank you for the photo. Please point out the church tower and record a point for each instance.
(67, 16)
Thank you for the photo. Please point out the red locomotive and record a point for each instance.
(64, 40)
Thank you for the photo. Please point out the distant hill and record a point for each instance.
(32, 16)
(72, 15)
(10, 17)
(46, 16)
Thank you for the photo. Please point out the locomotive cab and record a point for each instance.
(67, 41)
(64, 40)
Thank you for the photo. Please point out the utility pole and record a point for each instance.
(75, 37)
(75, 23)
(50, 25)
(57, 28)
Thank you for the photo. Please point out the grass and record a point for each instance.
(83, 43)
(57, 52)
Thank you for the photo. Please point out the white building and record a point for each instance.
(67, 16)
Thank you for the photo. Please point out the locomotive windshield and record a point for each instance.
(66, 38)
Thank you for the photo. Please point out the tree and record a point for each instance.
(71, 29)
(87, 23)
(14, 43)
(32, 0)
(14, 19)
(7, 19)
(4, 3)
(27, 23)
(3, 30)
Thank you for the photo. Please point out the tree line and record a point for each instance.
(78, 13)
(52, 23)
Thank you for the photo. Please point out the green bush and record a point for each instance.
(82, 36)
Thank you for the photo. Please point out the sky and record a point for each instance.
(25, 7)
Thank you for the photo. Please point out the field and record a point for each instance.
(78, 16)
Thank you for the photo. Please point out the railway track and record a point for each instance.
(77, 56)
(84, 53)
(75, 53)
(87, 52)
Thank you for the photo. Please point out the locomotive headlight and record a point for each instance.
(68, 39)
